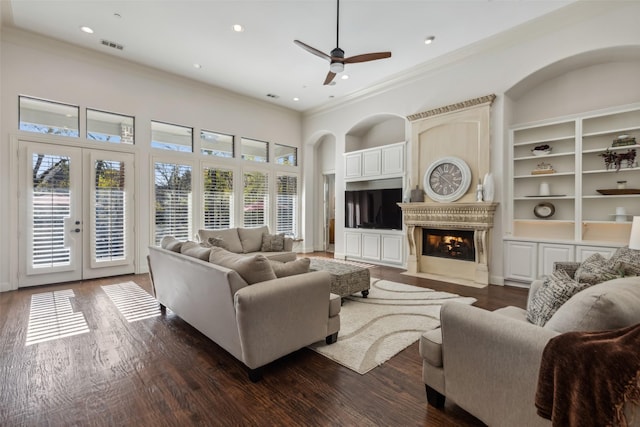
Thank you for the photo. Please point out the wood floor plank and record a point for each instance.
(160, 371)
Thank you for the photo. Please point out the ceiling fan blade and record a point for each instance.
(312, 50)
(329, 78)
(366, 57)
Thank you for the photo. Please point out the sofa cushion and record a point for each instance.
(251, 238)
(218, 242)
(335, 304)
(608, 305)
(430, 347)
(253, 269)
(279, 256)
(194, 249)
(272, 242)
(291, 268)
(596, 269)
(170, 243)
(228, 235)
(556, 289)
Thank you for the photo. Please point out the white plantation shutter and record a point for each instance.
(287, 206)
(217, 198)
(173, 207)
(51, 204)
(109, 211)
(255, 201)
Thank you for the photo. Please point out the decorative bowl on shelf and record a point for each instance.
(541, 152)
(619, 191)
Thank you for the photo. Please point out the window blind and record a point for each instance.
(173, 204)
(217, 198)
(109, 211)
(255, 199)
(287, 206)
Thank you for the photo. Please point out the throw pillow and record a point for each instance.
(272, 242)
(230, 236)
(626, 270)
(596, 269)
(194, 249)
(251, 238)
(630, 256)
(608, 305)
(556, 289)
(217, 242)
(252, 269)
(170, 243)
(291, 268)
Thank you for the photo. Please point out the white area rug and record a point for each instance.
(375, 329)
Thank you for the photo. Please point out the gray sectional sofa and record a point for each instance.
(239, 302)
(488, 362)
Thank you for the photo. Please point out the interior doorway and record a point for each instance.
(329, 201)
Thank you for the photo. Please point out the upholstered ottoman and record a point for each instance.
(346, 279)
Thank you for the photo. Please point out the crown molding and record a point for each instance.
(487, 99)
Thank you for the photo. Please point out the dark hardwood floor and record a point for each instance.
(160, 371)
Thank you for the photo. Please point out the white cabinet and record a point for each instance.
(521, 259)
(584, 252)
(550, 253)
(382, 246)
(375, 163)
(352, 244)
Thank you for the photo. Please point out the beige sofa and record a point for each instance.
(488, 362)
(249, 241)
(256, 323)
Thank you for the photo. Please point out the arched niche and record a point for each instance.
(588, 81)
(376, 131)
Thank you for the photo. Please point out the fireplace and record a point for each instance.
(449, 241)
(451, 244)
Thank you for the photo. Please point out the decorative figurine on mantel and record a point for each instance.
(543, 169)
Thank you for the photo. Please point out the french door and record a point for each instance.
(76, 213)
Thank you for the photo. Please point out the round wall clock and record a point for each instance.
(447, 179)
(544, 210)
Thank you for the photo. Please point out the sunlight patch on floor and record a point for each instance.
(132, 301)
(51, 317)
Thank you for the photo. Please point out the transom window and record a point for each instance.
(216, 144)
(109, 127)
(286, 155)
(254, 150)
(51, 118)
(171, 137)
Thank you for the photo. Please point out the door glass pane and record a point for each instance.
(173, 201)
(51, 204)
(255, 199)
(218, 198)
(287, 211)
(109, 211)
(52, 118)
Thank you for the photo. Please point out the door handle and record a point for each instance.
(77, 230)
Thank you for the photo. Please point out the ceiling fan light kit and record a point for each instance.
(337, 59)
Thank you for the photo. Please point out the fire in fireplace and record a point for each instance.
(453, 244)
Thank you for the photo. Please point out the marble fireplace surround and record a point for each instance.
(449, 216)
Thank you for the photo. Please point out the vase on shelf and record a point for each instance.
(488, 187)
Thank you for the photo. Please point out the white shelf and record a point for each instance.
(615, 132)
(552, 221)
(544, 157)
(520, 198)
(545, 140)
(612, 196)
(545, 175)
(611, 170)
(602, 150)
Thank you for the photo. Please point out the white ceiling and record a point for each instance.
(172, 35)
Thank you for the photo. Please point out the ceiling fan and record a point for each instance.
(337, 59)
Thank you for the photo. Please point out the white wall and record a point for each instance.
(35, 66)
(492, 66)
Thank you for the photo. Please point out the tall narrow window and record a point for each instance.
(109, 127)
(109, 211)
(51, 118)
(286, 155)
(217, 198)
(171, 137)
(255, 199)
(51, 204)
(287, 205)
(216, 144)
(254, 150)
(173, 205)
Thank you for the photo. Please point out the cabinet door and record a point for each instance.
(521, 260)
(584, 252)
(550, 253)
(352, 246)
(371, 246)
(392, 249)
(371, 161)
(393, 160)
(353, 165)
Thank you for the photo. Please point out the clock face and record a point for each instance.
(447, 179)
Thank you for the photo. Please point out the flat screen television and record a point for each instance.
(373, 209)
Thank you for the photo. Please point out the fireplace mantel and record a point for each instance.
(458, 216)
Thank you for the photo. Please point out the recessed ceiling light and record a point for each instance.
(238, 28)
(86, 29)
(345, 76)
(429, 39)
(296, 99)
(198, 66)
(117, 15)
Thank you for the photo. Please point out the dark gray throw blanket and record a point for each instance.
(587, 377)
